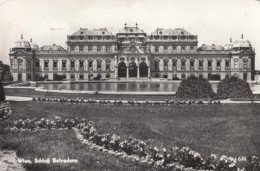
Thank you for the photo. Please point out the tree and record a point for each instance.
(2, 93)
(194, 87)
(233, 87)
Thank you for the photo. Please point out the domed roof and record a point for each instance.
(22, 43)
(34, 45)
(228, 46)
(212, 47)
(242, 43)
(52, 48)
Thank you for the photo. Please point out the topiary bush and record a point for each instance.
(194, 87)
(2, 93)
(233, 87)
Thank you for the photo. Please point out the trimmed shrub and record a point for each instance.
(194, 87)
(2, 93)
(233, 87)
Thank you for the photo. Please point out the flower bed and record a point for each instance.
(176, 158)
(5, 111)
(122, 102)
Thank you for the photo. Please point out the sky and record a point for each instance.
(50, 21)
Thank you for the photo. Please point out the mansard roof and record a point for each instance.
(212, 47)
(177, 31)
(87, 32)
(133, 30)
(52, 48)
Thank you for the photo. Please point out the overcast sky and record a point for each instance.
(50, 21)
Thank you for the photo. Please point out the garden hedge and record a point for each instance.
(194, 87)
(233, 87)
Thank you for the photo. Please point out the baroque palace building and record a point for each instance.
(132, 54)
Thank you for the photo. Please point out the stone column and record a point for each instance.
(161, 65)
(116, 71)
(138, 71)
(68, 65)
(127, 71)
(149, 71)
(41, 64)
(24, 64)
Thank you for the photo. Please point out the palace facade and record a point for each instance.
(132, 54)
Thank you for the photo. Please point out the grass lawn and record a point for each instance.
(229, 129)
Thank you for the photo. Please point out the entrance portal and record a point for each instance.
(143, 69)
(121, 69)
(132, 69)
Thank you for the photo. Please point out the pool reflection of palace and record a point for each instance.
(132, 54)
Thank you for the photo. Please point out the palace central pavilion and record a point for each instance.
(132, 54)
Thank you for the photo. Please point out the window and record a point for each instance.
(37, 64)
(227, 76)
(200, 76)
(29, 64)
(64, 65)
(156, 65)
(55, 65)
(209, 76)
(183, 63)
(29, 77)
(245, 76)
(183, 76)
(72, 48)
(72, 64)
(90, 64)
(81, 76)
(192, 65)
(165, 49)
(107, 48)
(20, 64)
(227, 65)
(174, 64)
(107, 65)
(201, 65)
(81, 48)
(46, 65)
(107, 75)
(165, 76)
(218, 65)
(236, 63)
(11, 64)
(244, 64)
(72, 77)
(98, 48)
(165, 65)
(156, 49)
(81, 64)
(209, 65)
(90, 48)
(99, 64)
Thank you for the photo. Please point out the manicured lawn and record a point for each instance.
(229, 129)
(61, 144)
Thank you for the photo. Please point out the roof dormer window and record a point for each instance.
(82, 32)
(131, 30)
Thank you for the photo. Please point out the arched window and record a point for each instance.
(245, 63)
(236, 63)
(165, 64)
